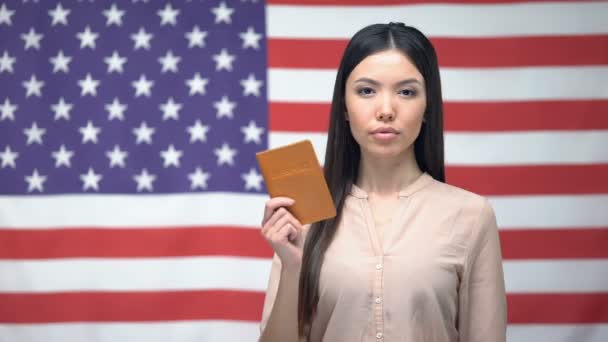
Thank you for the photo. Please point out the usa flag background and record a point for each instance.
(129, 194)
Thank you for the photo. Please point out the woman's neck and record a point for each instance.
(387, 176)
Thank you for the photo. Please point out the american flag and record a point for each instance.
(129, 194)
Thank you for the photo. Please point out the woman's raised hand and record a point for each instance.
(283, 231)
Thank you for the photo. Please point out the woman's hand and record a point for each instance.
(284, 232)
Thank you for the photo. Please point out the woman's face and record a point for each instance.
(385, 103)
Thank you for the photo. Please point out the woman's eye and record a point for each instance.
(407, 92)
(365, 91)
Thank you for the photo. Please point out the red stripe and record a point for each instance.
(399, 2)
(527, 180)
(469, 117)
(558, 308)
(518, 116)
(132, 243)
(457, 52)
(574, 243)
(247, 306)
(554, 244)
(298, 117)
(130, 306)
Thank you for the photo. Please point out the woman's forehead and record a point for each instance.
(386, 64)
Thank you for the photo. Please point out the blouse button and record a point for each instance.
(378, 300)
(378, 266)
(379, 335)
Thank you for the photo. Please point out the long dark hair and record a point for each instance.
(342, 154)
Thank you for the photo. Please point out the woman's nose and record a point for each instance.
(386, 111)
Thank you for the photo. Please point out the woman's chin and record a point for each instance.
(385, 152)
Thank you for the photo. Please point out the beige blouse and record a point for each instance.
(436, 275)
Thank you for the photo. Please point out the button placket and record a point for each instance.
(377, 299)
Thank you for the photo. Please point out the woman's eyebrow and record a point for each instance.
(367, 80)
(376, 83)
(408, 81)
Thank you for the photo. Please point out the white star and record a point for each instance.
(87, 38)
(224, 107)
(32, 39)
(144, 180)
(60, 62)
(250, 38)
(168, 15)
(59, 15)
(169, 62)
(171, 156)
(8, 157)
(88, 85)
(252, 133)
(116, 110)
(170, 109)
(35, 181)
(142, 39)
(113, 15)
(225, 155)
(89, 132)
(223, 60)
(253, 180)
(117, 157)
(143, 133)
(115, 62)
(5, 15)
(222, 13)
(197, 84)
(196, 37)
(142, 86)
(251, 86)
(8, 110)
(62, 109)
(33, 87)
(6, 62)
(198, 179)
(90, 180)
(198, 131)
(62, 156)
(34, 134)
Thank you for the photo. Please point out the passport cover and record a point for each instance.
(293, 171)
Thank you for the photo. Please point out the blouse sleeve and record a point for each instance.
(482, 302)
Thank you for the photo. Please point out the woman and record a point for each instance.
(408, 257)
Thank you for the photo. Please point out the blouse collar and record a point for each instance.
(409, 190)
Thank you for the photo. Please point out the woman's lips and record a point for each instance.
(384, 136)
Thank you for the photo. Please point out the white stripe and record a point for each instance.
(183, 331)
(526, 148)
(547, 276)
(557, 333)
(549, 212)
(212, 331)
(208, 273)
(135, 274)
(559, 18)
(131, 210)
(461, 84)
(496, 148)
(513, 212)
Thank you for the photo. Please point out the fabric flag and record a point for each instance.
(130, 199)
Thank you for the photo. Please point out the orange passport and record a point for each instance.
(293, 171)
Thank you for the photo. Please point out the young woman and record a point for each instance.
(408, 257)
